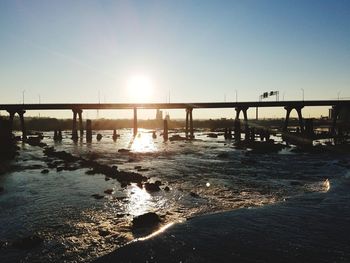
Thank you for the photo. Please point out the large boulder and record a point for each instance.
(148, 220)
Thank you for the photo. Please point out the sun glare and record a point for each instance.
(140, 88)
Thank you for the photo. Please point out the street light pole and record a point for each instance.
(23, 91)
(303, 93)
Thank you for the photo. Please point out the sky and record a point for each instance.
(196, 51)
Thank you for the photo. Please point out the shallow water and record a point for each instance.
(208, 175)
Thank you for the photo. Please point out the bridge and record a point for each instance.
(77, 109)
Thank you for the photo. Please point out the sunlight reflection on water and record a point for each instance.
(139, 201)
(143, 142)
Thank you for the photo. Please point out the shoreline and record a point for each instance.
(309, 228)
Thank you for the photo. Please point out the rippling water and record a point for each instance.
(206, 175)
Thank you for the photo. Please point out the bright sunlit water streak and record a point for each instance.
(143, 142)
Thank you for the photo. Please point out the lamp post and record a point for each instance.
(302, 92)
(23, 91)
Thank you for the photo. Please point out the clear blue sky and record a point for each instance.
(69, 51)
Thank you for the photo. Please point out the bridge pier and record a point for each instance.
(189, 123)
(187, 115)
(165, 132)
(88, 131)
(81, 128)
(12, 116)
(300, 117)
(74, 126)
(237, 124)
(335, 115)
(135, 122)
(23, 127)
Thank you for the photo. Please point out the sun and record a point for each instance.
(140, 88)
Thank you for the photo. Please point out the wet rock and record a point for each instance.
(99, 137)
(28, 242)
(137, 167)
(97, 196)
(107, 178)
(45, 171)
(123, 151)
(223, 155)
(177, 137)
(143, 170)
(159, 183)
(166, 189)
(59, 169)
(108, 191)
(104, 232)
(295, 183)
(148, 220)
(193, 194)
(151, 187)
(35, 141)
(212, 135)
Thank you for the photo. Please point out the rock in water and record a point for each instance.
(27, 242)
(148, 220)
(99, 137)
(151, 187)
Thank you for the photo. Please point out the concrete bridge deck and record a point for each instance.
(198, 105)
(239, 107)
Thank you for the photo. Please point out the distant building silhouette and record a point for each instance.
(159, 115)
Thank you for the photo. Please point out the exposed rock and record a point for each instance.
(223, 155)
(108, 191)
(104, 232)
(166, 189)
(148, 220)
(28, 242)
(137, 167)
(59, 169)
(97, 196)
(99, 137)
(151, 187)
(45, 171)
(193, 194)
(123, 151)
(177, 137)
(212, 135)
(159, 183)
(143, 170)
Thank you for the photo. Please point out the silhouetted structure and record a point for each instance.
(338, 106)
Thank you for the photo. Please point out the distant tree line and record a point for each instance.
(50, 124)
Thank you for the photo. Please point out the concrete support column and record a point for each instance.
(74, 125)
(135, 122)
(165, 132)
(88, 131)
(300, 116)
(286, 121)
(191, 125)
(238, 111)
(23, 128)
(335, 114)
(12, 116)
(81, 128)
(187, 116)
